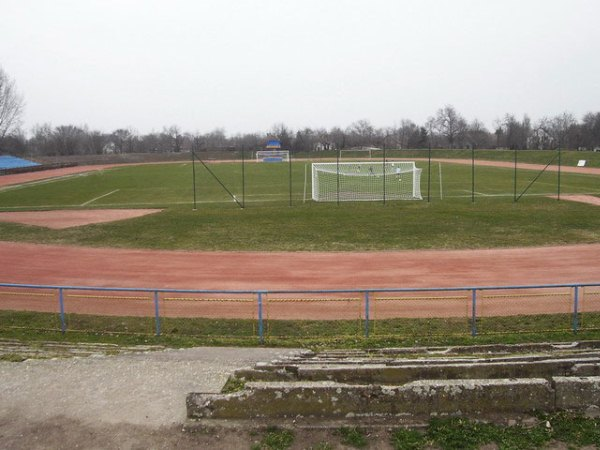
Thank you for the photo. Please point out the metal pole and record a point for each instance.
(367, 318)
(559, 167)
(61, 303)
(243, 179)
(290, 166)
(515, 178)
(429, 173)
(474, 312)
(305, 176)
(337, 170)
(575, 309)
(383, 169)
(156, 313)
(472, 174)
(194, 178)
(261, 337)
(440, 170)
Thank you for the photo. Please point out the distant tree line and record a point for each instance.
(446, 129)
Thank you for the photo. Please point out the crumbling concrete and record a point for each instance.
(337, 400)
(387, 383)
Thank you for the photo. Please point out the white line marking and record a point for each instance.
(27, 184)
(98, 198)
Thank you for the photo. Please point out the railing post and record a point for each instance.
(61, 303)
(367, 314)
(575, 309)
(261, 337)
(156, 313)
(474, 312)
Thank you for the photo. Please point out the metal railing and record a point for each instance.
(470, 310)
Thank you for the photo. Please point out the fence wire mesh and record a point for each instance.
(208, 314)
(306, 315)
(29, 308)
(124, 312)
(589, 308)
(420, 313)
(536, 310)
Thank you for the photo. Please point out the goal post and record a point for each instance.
(272, 155)
(366, 181)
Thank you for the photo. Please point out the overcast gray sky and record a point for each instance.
(245, 65)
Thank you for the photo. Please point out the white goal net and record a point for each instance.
(366, 181)
(272, 155)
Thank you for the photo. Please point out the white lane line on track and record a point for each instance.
(98, 198)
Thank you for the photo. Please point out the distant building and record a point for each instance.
(273, 144)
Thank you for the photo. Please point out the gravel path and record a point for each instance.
(133, 395)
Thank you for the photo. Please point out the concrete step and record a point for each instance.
(407, 371)
(339, 400)
(418, 399)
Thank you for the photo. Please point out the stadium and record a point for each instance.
(465, 246)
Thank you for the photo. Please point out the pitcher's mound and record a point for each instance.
(66, 218)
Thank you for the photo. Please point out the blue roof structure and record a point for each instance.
(12, 162)
(273, 144)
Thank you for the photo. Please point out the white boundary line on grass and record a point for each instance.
(27, 184)
(98, 198)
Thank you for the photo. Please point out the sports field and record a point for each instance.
(473, 231)
(463, 208)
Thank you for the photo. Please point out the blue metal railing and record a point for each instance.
(259, 295)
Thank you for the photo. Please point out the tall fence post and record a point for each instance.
(575, 309)
(156, 313)
(61, 303)
(261, 336)
(367, 318)
(474, 312)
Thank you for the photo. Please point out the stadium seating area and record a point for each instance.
(12, 162)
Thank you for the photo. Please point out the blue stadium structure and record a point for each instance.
(12, 162)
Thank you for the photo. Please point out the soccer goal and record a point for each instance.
(366, 181)
(272, 155)
(358, 152)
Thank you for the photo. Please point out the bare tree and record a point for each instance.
(284, 134)
(361, 133)
(124, 139)
(11, 105)
(69, 139)
(450, 124)
(478, 135)
(561, 126)
(512, 134)
(590, 129)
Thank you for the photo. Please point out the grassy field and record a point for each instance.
(450, 219)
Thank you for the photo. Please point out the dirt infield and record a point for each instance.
(589, 199)
(67, 218)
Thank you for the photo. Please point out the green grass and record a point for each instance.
(353, 437)
(268, 222)
(275, 439)
(186, 332)
(463, 434)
